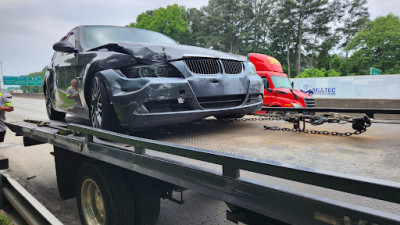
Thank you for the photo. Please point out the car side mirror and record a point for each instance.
(266, 83)
(64, 46)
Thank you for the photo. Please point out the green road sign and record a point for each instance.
(9, 80)
(21, 80)
(35, 81)
(374, 71)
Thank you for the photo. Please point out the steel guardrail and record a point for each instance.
(31, 210)
(326, 109)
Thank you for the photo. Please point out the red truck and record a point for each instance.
(278, 90)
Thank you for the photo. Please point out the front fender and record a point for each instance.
(120, 89)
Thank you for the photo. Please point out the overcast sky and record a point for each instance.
(29, 28)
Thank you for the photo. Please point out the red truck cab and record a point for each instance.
(278, 91)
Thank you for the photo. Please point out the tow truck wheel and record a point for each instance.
(103, 198)
(147, 199)
(101, 112)
(51, 113)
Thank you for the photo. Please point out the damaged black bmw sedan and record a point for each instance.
(134, 78)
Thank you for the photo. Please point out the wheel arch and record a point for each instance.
(104, 76)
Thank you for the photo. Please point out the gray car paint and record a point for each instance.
(127, 94)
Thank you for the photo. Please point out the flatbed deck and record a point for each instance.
(373, 154)
(347, 155)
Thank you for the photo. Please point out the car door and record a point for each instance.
(66, 81)
(269, 96)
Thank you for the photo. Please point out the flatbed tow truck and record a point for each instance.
(265, 178)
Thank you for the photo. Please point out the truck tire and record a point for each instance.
(101, 112)
(146, 194)
(67, 164)
(102, 197)
(51, 113)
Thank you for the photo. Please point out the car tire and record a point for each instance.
(51, 113)
(229, 116)
(102, 196)
(101, 112)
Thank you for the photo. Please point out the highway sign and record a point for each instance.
(21, 80)
(9, 80)
(35, 81)
(374, 71)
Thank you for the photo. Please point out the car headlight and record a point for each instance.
(252, 69)
(295, 105)
(154, 70)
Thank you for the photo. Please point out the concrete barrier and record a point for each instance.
(361, 103)
(28, 95)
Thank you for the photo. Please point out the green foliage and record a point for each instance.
(313, 72)
(283, 34)
(4, 219)
(170, 21)
(292, 68)
(394, 70)
(299, 33)
(356, 16)
(332, 73)
(377, 45)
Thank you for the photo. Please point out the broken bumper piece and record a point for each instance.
(148, 102)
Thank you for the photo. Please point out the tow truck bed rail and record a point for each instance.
(368, 111)
(284, 205)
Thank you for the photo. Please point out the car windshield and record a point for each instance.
(281, 81)
(98, 36)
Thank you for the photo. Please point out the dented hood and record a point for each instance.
(161, 53)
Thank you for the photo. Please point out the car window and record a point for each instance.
(98, 36)
(57, 55)
(71, 38)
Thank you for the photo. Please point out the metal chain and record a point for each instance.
(275, 128)
(313, 120)
(229, 120)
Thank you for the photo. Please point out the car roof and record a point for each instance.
(84, 26)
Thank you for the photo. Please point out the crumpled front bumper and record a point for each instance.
(148, 102)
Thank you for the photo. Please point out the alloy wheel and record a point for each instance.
(96, 106)
(48, 104)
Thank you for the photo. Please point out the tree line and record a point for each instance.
(308, 37)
